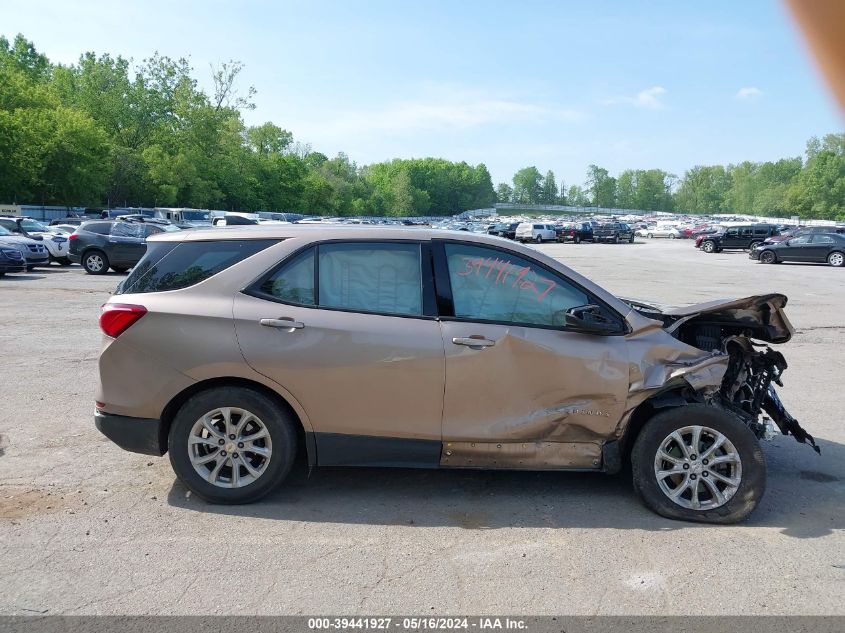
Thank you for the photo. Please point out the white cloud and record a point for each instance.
(748, 92)
(648, 98)
(433, 111)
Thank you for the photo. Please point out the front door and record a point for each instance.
(523, 391)
(346, 329)
(126, 243)
(798, 249)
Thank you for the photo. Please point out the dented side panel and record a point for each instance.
(537, 385)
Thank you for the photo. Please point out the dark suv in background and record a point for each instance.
(577, 232)
(614, 232)
(506, 229)
(743, 237)
(117, 244)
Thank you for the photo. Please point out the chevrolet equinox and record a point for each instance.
(232, 349)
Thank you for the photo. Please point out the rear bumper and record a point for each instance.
(137, 435)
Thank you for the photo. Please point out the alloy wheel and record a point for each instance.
(698, 468)
(836, 259)
(94, 263)
(229, 447)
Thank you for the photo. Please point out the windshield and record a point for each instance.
(32, 225)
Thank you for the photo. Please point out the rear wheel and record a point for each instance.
(698, 463)
(708, 246)
(119, 269)
(650, 235)
(95, 262)
(64, 261)
(768, 257)
(231, 445)
(631, 239)
(672, 236)
(754, 245)
(836, 259)
(577, 239)
(539, 239)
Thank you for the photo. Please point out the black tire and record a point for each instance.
(709, 246)
(119, 269)
(835, 261)
(649, 236)
(277, 422)
(631, 239)
(539, 239)
(577, 239)
(672, 236)
(29, 269)
(752, 484)
(95, 262)
(768, 257)
(64, 261)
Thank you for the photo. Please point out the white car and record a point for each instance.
(56, 242)
(535, 232)
(660, 231)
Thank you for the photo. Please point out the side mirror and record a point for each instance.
(588, 319)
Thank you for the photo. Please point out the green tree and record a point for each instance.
(527, 186)
(504, 192)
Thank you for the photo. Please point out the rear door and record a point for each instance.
(350, 330)
(522, 391)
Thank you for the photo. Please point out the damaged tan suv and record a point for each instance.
(233, 349)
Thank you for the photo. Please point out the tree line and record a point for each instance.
(104, 133)
(812, 187)
(100, 133)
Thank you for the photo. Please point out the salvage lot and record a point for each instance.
(88, 528)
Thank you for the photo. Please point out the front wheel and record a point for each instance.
(231, 445)
(631, 240)
(577, 240)
(539, 239)
(767, 257)
(709, 246)
(672, 236)
(650, 235)
(836, 259)
(698, 463)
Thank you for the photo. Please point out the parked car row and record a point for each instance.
(576, 232)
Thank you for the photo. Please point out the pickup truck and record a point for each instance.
(614, 232)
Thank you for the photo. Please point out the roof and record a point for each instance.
(320, 232)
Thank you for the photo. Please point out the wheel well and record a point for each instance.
(675, 397)
(172, 408)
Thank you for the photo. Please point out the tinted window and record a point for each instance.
(801, 239)
(103, 228)
(823, 239)
(370, 277)
(491, 285)
(127, 229)
(174, 265)
(293, 282)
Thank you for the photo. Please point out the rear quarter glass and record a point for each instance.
(177, 265)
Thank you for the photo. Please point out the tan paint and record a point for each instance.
(538, 398)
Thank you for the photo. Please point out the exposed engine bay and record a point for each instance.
(735, 328)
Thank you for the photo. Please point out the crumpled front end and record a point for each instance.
(711, 353)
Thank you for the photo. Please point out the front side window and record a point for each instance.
(801, 239)
(492, 285)
(371, 277)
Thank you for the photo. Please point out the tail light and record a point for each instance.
(72, 236)
(116, 318)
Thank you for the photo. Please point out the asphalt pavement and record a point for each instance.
(86, 528)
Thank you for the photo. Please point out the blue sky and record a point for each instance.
(558, 85)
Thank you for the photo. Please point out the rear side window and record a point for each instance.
(381, 277)
(176, 265)
(293, 282)
(127, 229)
(103, 228)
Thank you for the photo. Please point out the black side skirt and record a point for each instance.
(338, 449)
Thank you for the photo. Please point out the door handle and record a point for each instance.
(475, 341)
(284, 323)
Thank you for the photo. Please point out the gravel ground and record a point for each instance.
(86, 528)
